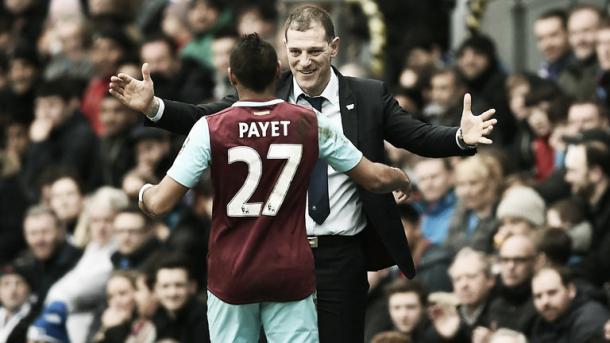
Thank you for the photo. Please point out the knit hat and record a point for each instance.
(50, 326)
(524, 203)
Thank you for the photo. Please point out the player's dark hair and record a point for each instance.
(254, 62)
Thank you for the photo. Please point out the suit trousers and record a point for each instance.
(342, 286)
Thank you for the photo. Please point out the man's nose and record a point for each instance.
(305, 60)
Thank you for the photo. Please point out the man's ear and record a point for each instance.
(334, 46)
(232, 78)
(572, 290)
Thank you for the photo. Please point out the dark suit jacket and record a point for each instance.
(375, 117)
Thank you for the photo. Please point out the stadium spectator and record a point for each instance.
(72, 60)
(110, 46)
(180, 315)
(569, 215)
(205, 17)
(520, 212)
(588, 173)
(49, 256)
(550, 29)
(434, 179)
(60, 136)
(407, 307)
(478, 65)
(223, 43)
(564, 314)
(477, 185)
(135, 237)
(117, 155)
(472, 284)
(446, 92)
(16, 313)
(512, 306)
(579, 76)
(82, 288)
(67, 201)
(175, 78)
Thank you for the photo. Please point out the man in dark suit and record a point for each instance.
(350, 230)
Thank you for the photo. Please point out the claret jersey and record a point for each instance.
(261, 155)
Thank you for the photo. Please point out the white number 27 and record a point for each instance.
(239, 206)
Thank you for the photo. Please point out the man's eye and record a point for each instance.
(315, 52)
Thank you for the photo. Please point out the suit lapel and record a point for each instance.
(348, 108)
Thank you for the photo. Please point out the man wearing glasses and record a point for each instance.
(513, 307)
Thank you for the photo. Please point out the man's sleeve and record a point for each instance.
(334, 147)
(179, 118)
(194, 157)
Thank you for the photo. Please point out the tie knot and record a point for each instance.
(315, 101)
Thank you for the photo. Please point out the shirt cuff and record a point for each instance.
(160, 110)
(459, 143)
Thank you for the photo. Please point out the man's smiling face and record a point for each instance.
(309, 57)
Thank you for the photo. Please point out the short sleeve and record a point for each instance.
(194, 157)
(334, 147)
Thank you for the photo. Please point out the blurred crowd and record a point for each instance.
(511, 245)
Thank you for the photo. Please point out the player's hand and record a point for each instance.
(475, 129)
(135, 94)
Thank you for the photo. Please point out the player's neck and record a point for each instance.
(251, 95)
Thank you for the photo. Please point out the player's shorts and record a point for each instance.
(282, 322)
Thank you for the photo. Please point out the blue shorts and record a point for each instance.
(283, 322)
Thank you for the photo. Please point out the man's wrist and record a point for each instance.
(141, 193)
(152, 110)
(459, 137)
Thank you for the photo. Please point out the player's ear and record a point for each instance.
(232, 78)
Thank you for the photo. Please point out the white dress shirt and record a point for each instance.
(346, 217)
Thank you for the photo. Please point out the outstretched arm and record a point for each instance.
(135, 94)
(476, 129)
(379, 178)
(169, 115)
(157, 200)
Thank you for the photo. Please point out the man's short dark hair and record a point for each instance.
(65, 88)
(302, 18)
(133, 209)
(555, 13)
(39, 210)
(556, 244)
(254, 62)
(402, 285)
(160, 37)
(458, 80)
(173, 261)
(598, 155)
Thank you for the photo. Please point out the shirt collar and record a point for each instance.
(257, 103)
(330, 93)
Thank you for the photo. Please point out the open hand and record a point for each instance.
(475, 129)
(445, 319)
(135, 94)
